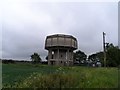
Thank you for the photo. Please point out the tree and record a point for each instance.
(112, 56)
(35, 58)
(92, 57)
(80, 56)
(96, 57)
(46, 58)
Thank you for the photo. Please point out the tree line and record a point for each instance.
(112, 56)
(80, 58)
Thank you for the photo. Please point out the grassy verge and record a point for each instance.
(43, 76)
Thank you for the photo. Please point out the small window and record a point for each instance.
(52, 52)
(52, 55)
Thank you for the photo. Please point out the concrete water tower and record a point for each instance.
(60, 49)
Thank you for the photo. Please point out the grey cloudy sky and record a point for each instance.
(25, 26)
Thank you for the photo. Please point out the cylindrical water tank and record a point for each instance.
(60, 40)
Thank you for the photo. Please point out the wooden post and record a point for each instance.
(104, 49)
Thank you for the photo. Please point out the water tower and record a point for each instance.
(60, 49)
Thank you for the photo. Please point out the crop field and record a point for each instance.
(44, 76)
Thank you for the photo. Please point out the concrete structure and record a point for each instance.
(60, 49)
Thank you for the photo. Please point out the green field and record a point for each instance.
(30, 75)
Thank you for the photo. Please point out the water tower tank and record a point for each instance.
(60, 49)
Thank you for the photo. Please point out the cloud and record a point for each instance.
(26, 25)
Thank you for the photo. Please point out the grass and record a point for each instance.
(16, 72)
(37, 76)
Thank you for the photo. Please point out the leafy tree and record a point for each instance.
(35, 58)
(46, 58)
(100, 56)
(112, 56)
(79, 56)
(97, 56)
(92, 57)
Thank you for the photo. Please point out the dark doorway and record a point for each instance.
(52, 62)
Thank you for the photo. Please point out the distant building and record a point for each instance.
(60, 49)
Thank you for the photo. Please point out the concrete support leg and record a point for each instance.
(68, 57)
(72, 57)
(49, 56)
(57, 62)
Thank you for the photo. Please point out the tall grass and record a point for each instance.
(68, 77)
(49, 81)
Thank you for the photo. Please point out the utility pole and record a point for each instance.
(104, 49)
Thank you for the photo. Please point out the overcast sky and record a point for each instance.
(25, 26)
